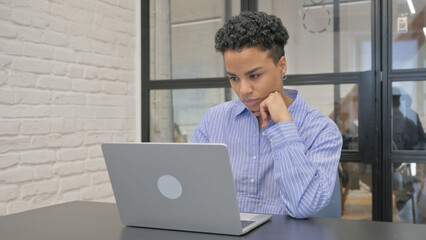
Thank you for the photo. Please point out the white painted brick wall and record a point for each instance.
(67, 84)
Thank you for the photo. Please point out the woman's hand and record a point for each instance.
(273, 108)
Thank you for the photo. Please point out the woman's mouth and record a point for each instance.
(251, 102)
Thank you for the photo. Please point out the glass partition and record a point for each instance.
(321, 42)
(322, 97)
(326, 36)
(409, 194)
(176, 113)
(408, 34)
(182, 37)
(409, 115)
(356, 179)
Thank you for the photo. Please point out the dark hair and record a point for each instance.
(253, 29)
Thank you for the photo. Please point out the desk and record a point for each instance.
(89, 220)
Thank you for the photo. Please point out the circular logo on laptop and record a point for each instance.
(169, 186)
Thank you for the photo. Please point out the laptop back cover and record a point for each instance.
(174, 186)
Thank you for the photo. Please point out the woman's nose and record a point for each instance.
(245, 87)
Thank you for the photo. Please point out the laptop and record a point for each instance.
(178, 186)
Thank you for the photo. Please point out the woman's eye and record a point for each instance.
(233, 78)
(254, 75)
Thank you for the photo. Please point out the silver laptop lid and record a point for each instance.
(174, 186)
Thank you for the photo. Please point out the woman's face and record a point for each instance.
(254, 75)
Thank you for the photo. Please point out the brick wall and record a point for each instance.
(67, 84)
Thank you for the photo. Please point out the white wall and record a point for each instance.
(68, 82)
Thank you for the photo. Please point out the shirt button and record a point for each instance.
(254, 157)
(272, 140)
(252, 180)
(263, 133)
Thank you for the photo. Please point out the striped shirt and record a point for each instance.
(286, 168)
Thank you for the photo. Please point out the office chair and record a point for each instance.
(333, 209)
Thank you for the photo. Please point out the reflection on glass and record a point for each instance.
(176, 113)
(408, 22)
(345, 101)
(409, 194)
(356, 179)
(182, 37)
(408, 115)
(314, 47)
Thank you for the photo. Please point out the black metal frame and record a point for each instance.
(145, 70)
(377, 33)
(374, 87)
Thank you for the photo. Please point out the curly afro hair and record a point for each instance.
(253, 29)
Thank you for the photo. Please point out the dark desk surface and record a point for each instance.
(88, 220)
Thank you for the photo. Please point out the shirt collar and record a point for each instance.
(299, 108)
(239, 108)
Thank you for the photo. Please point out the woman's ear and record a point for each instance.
(282, 65)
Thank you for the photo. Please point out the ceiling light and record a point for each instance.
(411, 6)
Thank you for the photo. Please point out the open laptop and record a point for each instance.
(177, 186)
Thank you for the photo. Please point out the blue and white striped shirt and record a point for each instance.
(286, 168)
